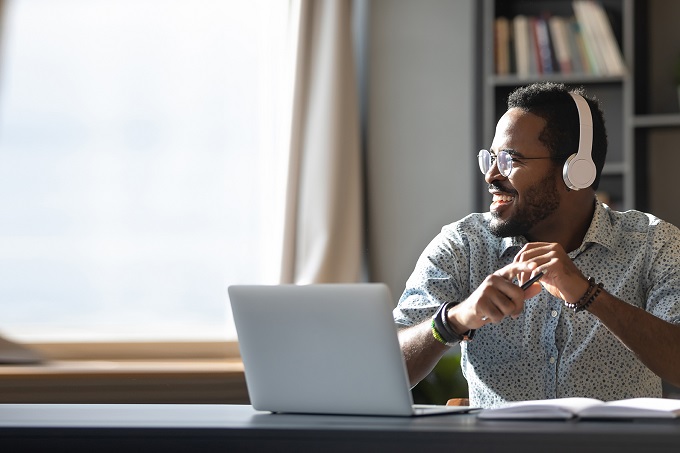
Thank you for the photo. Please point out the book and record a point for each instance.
(502, 38)
(534, 55)
(611, 53)
(585, 408)
(584, 43)
(599, 38)
(560, 38)
(543, 45)
(579, 63)
(520, 31)
(586, 26)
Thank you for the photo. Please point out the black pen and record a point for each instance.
(532, 280)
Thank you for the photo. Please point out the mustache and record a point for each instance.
(495, 186)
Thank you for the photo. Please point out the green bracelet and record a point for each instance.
(442, 331)
(437, 336)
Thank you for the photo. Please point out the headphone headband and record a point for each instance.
(579, 170)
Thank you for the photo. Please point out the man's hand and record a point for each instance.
(496, 298)
(561, 277)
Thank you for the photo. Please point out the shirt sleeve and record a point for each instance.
(663, 298)
(441, 275)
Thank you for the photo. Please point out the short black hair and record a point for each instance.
(552, 102)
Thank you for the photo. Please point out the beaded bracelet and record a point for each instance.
(581, 301)
(435, 333)
(588, 297)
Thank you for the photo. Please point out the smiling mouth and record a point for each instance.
(500, 199)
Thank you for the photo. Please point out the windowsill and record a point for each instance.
(160, 350)
(128, 373)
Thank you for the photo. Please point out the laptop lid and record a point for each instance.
(321, 349)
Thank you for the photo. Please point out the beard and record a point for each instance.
(539, 202)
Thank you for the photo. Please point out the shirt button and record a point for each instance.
(553, 313)
(552, 360)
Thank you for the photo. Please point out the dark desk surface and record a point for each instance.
(229, 428)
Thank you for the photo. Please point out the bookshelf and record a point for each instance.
(655, 117)
(614, 89)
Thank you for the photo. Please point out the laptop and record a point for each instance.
(323, 349)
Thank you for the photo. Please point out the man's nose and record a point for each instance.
(493, 173)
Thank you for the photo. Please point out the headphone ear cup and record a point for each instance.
(578, 173)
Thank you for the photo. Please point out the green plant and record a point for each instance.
(445, 381)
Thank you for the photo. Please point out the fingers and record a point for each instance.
(561, 277)
(496, 298)
(516, 268)
(541, 255)
(499, 298)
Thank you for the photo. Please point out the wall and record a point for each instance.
(421, 162)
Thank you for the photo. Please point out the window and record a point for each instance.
(141, 164)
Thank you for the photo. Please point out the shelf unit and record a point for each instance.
(655, 118)
(614, 92)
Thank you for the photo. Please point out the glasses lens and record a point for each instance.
(504, 163)
(484, 158)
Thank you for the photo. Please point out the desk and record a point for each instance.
(231, 428)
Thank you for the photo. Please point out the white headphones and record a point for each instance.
(579, 170)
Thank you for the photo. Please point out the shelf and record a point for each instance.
(614, 168)
(569, 79)
(658, 120)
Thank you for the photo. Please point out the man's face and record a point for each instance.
(525, 202)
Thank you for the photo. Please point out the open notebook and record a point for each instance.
(586, 408)
(323, 349)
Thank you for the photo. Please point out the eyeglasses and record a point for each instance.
(503, 160)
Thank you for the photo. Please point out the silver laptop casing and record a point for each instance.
(321, 349)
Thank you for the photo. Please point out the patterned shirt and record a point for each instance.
(549, 351)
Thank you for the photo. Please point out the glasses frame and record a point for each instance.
(486, 159)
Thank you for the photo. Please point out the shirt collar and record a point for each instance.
(599, 232)
(511, 244)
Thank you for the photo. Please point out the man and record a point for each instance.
(602, 321)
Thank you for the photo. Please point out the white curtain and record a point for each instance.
(323, 238)
(11, 352)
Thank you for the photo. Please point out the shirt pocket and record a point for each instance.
(497, 343)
